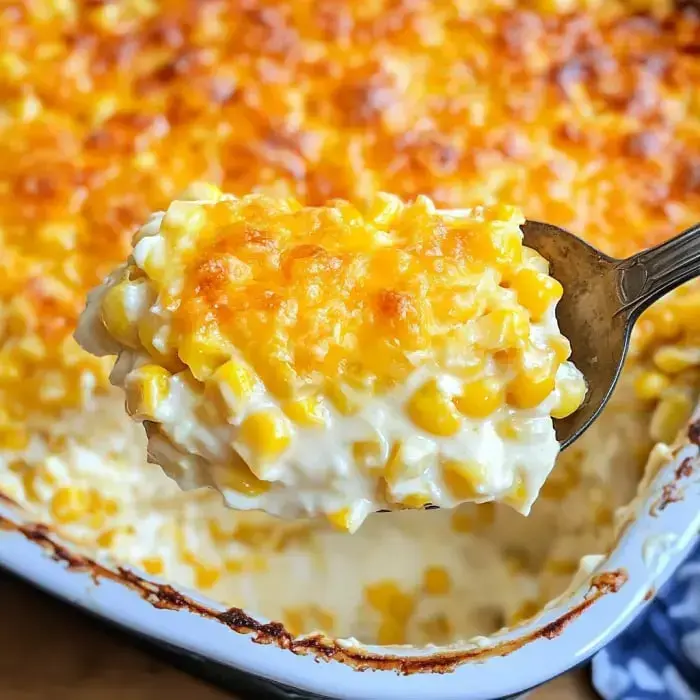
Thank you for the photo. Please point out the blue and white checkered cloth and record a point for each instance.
(658, 656)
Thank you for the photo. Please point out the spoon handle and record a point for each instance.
(646, 277)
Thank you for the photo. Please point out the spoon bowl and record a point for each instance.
(587, 315)
(603, 298)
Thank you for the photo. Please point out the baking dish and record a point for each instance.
(662, 526)
(584, 113)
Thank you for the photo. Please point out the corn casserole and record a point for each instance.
(326, 360)
(585, 113)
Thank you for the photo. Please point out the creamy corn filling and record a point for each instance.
(587, 113)
(324, 360)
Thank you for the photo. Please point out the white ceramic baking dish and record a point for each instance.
(659, 529)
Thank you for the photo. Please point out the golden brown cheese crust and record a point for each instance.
(590, 120)
(317, 286)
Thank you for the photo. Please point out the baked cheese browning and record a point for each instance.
(107, 111)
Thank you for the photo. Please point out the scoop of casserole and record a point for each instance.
(335, 360)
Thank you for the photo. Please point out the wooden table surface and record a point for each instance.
(50, 651)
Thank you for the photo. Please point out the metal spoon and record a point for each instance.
(603, 298)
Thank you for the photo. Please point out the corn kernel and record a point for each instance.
(572, 391)
(650, 385)
(401, 606)
(561, 348)
(384, 209)
(146, 389)
(252, 535)
(341, 519)
(278, 376)
(536, 291)
(203, 353)
(368, 455)
(237, 476)
(309, 412)
(525, 611)
(266, 434)
(687, 312)
(348, 213)
(436, 580)
(379, 594)
(360, 380)
(403, 464)
(13, 437)
(387, 598)
(17, 466)
(205, 576)
(116, 317)
(509, 429)
(529, 390)
(151, 335)
(293, 204)
(106, 506)
(673, 359)
(433, 411)
(341, 399)
(230, 387)
(294, 621)
(58, 236)
(307, 618)
(517, 496)
(391, 633)
(95, 520)
(415, 500)
(30, 481)
(464, 479)
(234, 566)
(666, 322)
(671, 414)
(480, 398)
(106, 539)
(12, 67)
(25, 108)
(217, 532)
(497, 246)
(150, 258)
(70, 503)
(152, 566)
(200, 191)
(181, 223)
(502, 329)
